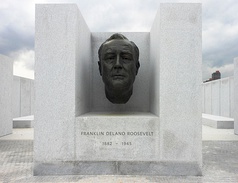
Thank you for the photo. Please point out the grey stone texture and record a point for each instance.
(236, 95)
(70, 97)
(23, 96)
(6, 82)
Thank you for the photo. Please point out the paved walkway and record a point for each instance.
(220, 161)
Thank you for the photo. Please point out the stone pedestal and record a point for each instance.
(6, 82)
(236, 95)
(78, 131)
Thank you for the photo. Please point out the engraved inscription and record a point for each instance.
(117, 142)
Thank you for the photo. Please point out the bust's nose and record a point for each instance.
(118, 65)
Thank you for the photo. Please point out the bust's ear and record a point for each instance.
(137, 66)
(100, 68)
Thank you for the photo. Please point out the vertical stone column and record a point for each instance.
(236, 95)
(63, 56)
(178, 41)
(6, 82)
(16, 97)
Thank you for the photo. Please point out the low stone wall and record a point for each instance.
(218, 97)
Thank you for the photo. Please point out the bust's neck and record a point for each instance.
(117, 96)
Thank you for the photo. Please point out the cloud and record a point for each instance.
(220, 26)
(220, 36)
(23, 63)
(16, 25)
(225, 70)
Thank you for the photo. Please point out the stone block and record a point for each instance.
(63, 55)
(16, 97)
(225, 97)
(232, 97)
(208, 98)
(236, 95)
(215, 97)
(23, 122)
(6, 83)
(218, 122)
(180, 74)
(25, 95)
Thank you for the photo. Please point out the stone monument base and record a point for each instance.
(162, 168)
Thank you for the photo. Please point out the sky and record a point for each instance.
(219, 31)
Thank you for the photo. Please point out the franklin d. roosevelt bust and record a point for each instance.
(118, 65)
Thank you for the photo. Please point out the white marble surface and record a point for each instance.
(6, 82)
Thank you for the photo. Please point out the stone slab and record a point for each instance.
(215, 95)
(16, 99)
(23, 122)
(62, 75)
(207, 98)
(180, 74)
(25, 95)
(117, 137)
(118, 168)
(236, 95)
(225, 97)
(6, 83)
(218, 122)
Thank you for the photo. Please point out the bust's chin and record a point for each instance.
(118, 96)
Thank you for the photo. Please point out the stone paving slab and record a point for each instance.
(220, 164)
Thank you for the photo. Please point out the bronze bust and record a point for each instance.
(118, 65)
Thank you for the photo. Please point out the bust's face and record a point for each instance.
(118, 65)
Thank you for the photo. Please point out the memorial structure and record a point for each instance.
(79, 131)
(6, 80)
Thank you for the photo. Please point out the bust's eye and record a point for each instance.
(127, 56)
(109, 57)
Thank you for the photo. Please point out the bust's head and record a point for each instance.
(118, 66)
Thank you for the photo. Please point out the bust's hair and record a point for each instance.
(120, 36)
